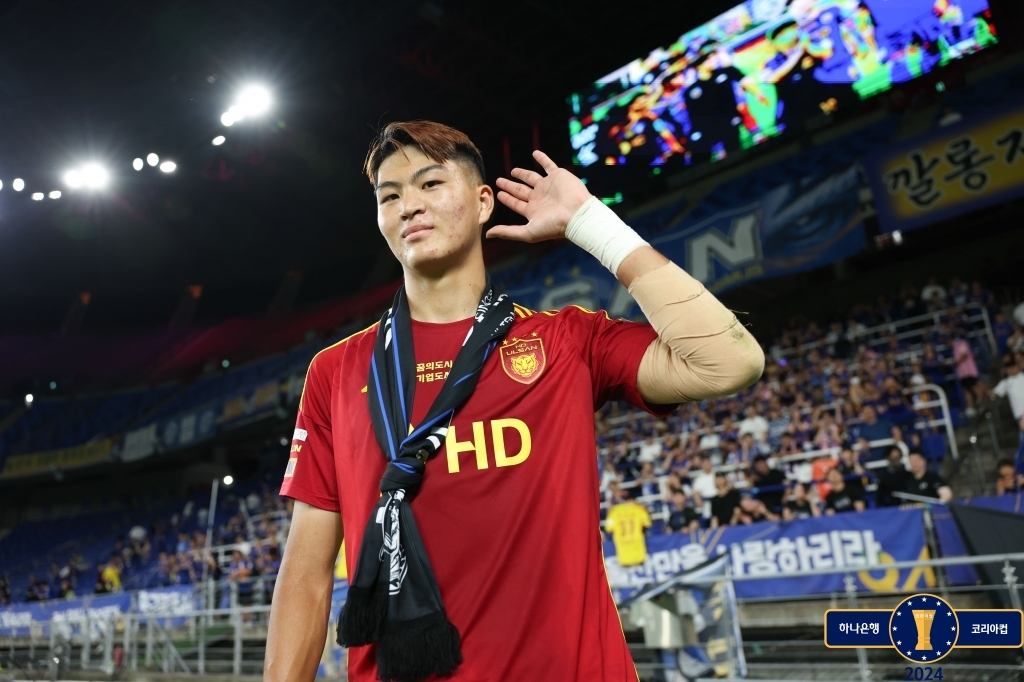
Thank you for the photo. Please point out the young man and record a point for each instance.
(495, 569)
(843, 498)
(924, 483)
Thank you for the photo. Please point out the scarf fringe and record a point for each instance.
(415, 650)
(362, 617)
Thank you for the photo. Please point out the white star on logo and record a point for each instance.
(898, 642)
(924, 657)
(949, 644)
(894, 628)
(908, 653)
(949, 613)
(938, 601)
(898, 613)
(953, 628)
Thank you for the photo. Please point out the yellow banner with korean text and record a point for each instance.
(64, 458)
(976, 163)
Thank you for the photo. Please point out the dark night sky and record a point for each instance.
(112, 80)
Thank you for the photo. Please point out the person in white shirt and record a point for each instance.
(754, 424)
(702, 481)
(1012, 388)
(650, 450)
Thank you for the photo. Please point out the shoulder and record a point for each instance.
(332, 356)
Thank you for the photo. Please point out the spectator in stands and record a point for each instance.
(1008, 481)
(703, 483)
(110, 573)
(769, 482)
(1012, 388)
(682, 518)
(934, 295)
(799, 505)
(788, 445)
(749, 449)
(65, 591)
(925, 483)
(852, 470)
(891, 479)
(5, 592)
(751, 511)
(609, 474)
(650, 451)
(967, 372)
(842, 498)
(725, 503)
(874, 428)
(647, 482)
(1002, 330)
(754, 424)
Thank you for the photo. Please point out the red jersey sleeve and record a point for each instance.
(310, 475)
(613, 350)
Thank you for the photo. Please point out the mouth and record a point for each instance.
(413, 230)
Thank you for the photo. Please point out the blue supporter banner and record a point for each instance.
(797, 226)
(1008, 503)
(949, 172)
(864, 542)
(186, 429)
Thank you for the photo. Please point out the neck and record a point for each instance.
(449, 296)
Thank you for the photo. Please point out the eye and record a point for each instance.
(431, 183)
(388, 197)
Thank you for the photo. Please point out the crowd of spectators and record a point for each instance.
(830, 427)
(173, 551)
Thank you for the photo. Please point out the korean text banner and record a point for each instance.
(797, 226)
(950, 172)
(863, 542)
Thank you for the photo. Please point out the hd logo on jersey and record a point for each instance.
(523, 359)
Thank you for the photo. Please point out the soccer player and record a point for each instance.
(494, 571)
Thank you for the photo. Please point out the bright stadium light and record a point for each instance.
(229, 479)
(137, 164)
(219, 140)
(89, 176)
(55, 194)
(73, 179)
(254, 100)
(168, 166)
(18, 184)
(228, 118)
(38, 196)
(29, 399)
(152, 159)
(1, 184)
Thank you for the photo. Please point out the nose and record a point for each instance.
(412, 205)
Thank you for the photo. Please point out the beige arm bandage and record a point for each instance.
(702, 350)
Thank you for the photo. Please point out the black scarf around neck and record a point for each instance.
(393, 598)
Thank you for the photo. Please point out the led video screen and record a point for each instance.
(762, 67)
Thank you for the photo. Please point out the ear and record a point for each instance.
(485, 198)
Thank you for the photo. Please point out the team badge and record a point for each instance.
(523, 359)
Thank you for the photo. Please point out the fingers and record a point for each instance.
(517, 205)
(518, 233)
(530, 177)
(516, 189)
(545, 162)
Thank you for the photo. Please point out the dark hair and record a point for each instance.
(437, 141)
(1005, 463)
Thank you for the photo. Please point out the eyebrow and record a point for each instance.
(415, 176)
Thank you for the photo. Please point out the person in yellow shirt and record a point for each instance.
(627, 523)
(111, 574)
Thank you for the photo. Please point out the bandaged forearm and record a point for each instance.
(597, 230)
(702, 350)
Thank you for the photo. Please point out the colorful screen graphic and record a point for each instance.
(763, 67)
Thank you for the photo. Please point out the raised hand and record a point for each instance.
(547, 201)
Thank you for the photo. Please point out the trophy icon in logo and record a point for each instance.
(924, 620)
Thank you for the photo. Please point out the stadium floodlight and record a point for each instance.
(55, 194)
(228, 118)
(219, 140)
(89, 176)
(138, 163)
(29, 399)
(18, 184)
(1, 184)
(38, 196)
(152, 159)
(229, 479)
(168, 166)
(254, 100)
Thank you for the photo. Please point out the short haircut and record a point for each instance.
(1005, 463)
(437, 141)
(915, 452)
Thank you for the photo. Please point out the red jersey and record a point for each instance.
(509, 507)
